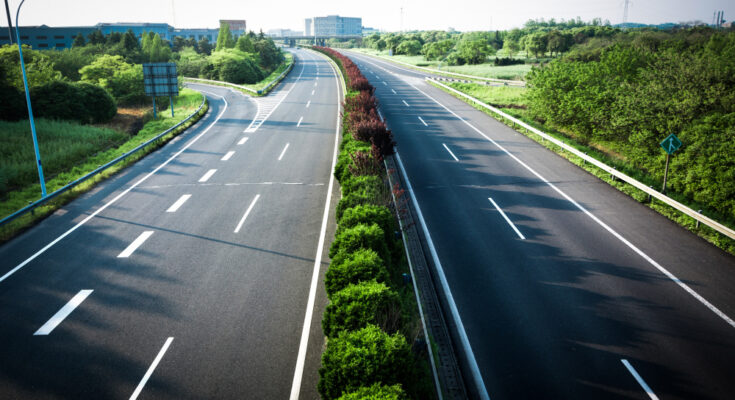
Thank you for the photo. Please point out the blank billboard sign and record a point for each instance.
(160, 79)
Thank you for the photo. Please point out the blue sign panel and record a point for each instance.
(160, 79)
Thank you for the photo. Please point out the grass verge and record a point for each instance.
(495, 96)
(184, 105)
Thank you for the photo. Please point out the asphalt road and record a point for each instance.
(193, 272)
(572, 291)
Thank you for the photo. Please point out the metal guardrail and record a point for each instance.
(612, 171)
(260, 92)
(97, 170)
(440, 72)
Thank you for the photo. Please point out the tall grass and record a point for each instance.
(498, 96)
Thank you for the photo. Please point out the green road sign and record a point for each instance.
(671, 144)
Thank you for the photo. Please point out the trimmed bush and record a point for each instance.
(344, 159)
(362, 265)
(356, 198)
(359, 183)
(362, 358)
(376, 392)
(360, 304)
(99, 104)
(360, 237)
(81, 102)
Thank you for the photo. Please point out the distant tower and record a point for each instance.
(401, 19)
(625, 11)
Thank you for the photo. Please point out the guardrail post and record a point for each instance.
(699, 211)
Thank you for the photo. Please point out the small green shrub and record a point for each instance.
(362, 358)
(357, 183)
(368, 214)
(355, 199)
(344, 160)
(360, 304)
(361, 236)
(362, 265)
(376, 392)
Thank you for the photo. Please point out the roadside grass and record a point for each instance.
(497, 96)
(486, 70)
(86, 158)
(605, 152)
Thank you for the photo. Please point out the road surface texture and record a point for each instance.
(566, 288)
(193, 271)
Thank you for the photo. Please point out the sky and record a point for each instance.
(462, 15)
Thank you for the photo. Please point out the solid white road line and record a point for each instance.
(308, 103)
(299, 124)
(404, 102)
(207, 175)
(242, 141)
(153, 366)
(450, 152)
(283, 152)
(464, 340)
(512, 225)
(174, 207)
(136, 243)
(394, 91)
(640, 380)
(111, 202)
(301, 357)
(63, 313)
(250, 208)
(423, 122)
(227, 156)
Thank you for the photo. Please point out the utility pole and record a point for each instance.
(10, 24)
(401, 30)
(625, 11)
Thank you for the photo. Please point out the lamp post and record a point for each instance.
(10, 25)
(28, 102)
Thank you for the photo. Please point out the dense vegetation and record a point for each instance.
(369, 322)
(628, 92)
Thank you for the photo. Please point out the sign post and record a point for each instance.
(160, 79)
(670, 145)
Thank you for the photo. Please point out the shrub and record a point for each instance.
(363, 163)
(362, 358)
(81, 102)
(361, 236)
(13, 106)
(355, 199)
(100, 106)
(360, 304)
(367, 214)
(358, 183)
(376, 392)
(344, 159)
(362, 265)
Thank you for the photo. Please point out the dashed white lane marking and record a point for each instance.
(207, 175)
(283, 152)
(385, 83)
(175, 207)
(60, 315)
(450, 152)
(242, 141)
(312, 92)
(153, 366)
(640, 380)
(394, 91)
(512, 225)
(250, 208)
(299, 124)
(423, 122)
(227, 156)
(404, 102)
(308, 103)
(136, 243)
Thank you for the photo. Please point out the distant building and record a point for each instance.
(45, 37)
(283, 33)
(308, 26)
(369, 31)
(334, 25)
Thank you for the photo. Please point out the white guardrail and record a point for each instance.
(639, 185)
(440, 72)
(221, 83)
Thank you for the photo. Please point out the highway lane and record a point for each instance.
(552, 300)
(199, 275)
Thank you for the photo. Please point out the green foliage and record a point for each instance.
(632, 91)
(346, 269)
(473, 51)
(78, 41)
(124, 81)
(367, 214)
(362, 358)
(376, 392)
(409, 47)
(270, 55)
(39, 67)
(361, 236)
(224, 37)
(360, 304)
(231, 65)
(245, 45)
(78, 102)
(13, 104)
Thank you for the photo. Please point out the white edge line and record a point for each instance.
(464, 340)
(64, 312)
(301, 357)
(175, 207)
(153, 366)
(118, 197)
(207, 175)
(228, 155)
(283, 152)
(247, 212)
(512, 225)
(450, 152)
(136, 243)
(640, 380)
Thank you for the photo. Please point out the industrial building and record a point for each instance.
(45, 37)
(333, 25)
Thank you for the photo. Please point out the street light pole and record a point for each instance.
(10, 25)
(28, 102)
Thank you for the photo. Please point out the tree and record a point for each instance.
(224, 37)
(245, 45)
(204, 47)
(39, 67)
(130, 42)
(474, 51)
(409, 47)
(78, 41)
(96, 37)
(537, 43)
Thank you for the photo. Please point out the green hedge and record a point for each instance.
(367, 214)
(376, 392)
(362, 358)
(347, 269)
(81, 102)
(361, 236)
(358, 305)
